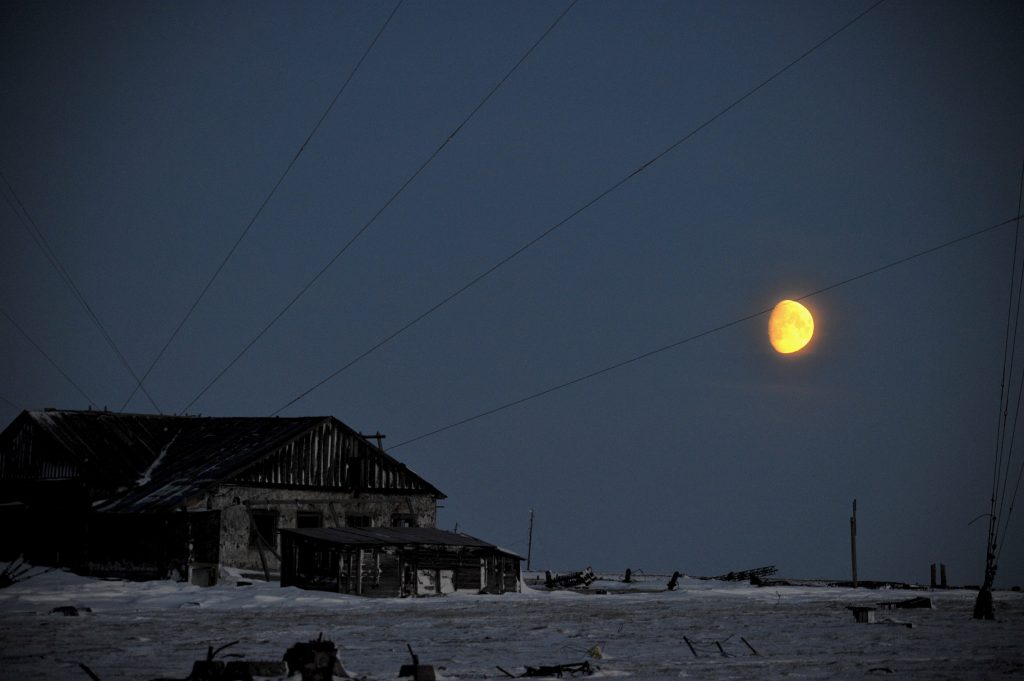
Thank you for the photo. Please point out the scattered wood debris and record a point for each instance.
(573, 580)
(88, 672)
(418, 672)
(556, 670)
(715, 646)
(862, 613)
(910, 603)
(18, 571)
(748, 575)
(316, 660)
(866, 614)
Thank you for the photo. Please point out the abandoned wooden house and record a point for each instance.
(414, 561)
(139, 495)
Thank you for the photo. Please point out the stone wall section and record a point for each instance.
(238, 504)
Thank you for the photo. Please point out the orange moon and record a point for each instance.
(790, 327)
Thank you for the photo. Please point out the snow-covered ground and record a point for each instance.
(146, 630)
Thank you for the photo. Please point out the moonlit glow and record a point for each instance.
(790, 327)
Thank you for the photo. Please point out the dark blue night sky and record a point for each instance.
(142, 138)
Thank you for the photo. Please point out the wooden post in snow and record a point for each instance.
(529, 545)
(359, 574)
(853, 542)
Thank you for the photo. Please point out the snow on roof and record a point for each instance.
(164, 460)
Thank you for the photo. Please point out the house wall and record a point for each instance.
(150, 545)
(62, 473)
(503, 574)
(14, 519)
(52, 517)
(237, 503)
(373, 571)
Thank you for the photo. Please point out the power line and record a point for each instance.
(25, 217)
(999, 495)
(1004, 389)
(550, 230)
(44, 354)
(1013, 501)
(998, 506)
(302, 291)
(697, 336)
(11, 404)
(259, 211)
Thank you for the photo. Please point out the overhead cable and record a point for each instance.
(689, 339)
(1005, 383)
(263, 205)
(550, 230)
(44, 354)
(999, 492)
(11, 404)
(302, 291)
(25, 217)
(1009, 511)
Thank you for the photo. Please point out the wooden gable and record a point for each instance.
(331, 455)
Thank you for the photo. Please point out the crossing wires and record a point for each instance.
(259, 211)
(27, 221)
(596, 199)
(394, 196)
(46, 356)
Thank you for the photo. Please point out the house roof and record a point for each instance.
(391, 536)
(161, 461)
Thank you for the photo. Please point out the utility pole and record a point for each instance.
(984, 608)
(378, 436)
(853, 542)
(529, 545)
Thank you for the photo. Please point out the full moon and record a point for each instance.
(790, 327)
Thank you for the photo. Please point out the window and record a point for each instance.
(403, 520)
(309, 519)
(358, 521)
(263, 529)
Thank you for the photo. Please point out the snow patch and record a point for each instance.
(145, 478)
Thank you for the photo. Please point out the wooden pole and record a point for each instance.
(853, 542)
(529, 545)
(359, 574)
(378, 436)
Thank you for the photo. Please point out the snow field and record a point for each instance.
(149, 630)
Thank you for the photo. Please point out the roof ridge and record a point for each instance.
(129, 414)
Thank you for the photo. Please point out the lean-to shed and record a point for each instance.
(413, 561)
